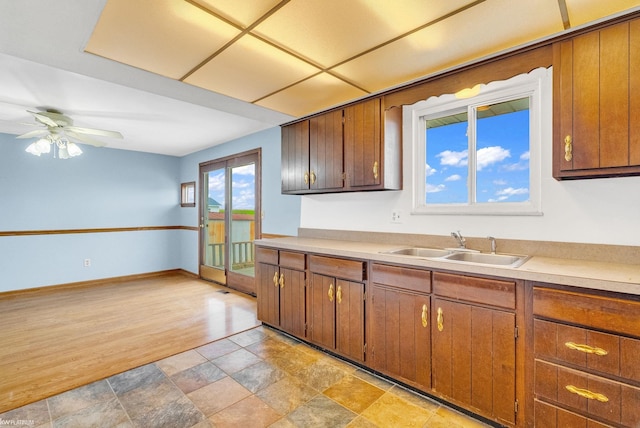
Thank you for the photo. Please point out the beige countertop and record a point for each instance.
(623, 278)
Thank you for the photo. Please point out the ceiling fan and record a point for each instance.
(58, 132)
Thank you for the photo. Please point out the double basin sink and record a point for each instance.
(461, 256)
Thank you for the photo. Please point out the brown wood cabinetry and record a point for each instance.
(399, 329)
(336, 305)
(343, 150)
(474, 344)
(586, 351)
(280, 278)
(596, 112)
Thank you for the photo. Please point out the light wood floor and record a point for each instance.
(53, 341)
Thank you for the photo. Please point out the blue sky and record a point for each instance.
(243, 186)
(502, 160)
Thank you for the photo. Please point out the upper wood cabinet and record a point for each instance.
(596, 118)
(351, 149)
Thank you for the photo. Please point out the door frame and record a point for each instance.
(243, 283)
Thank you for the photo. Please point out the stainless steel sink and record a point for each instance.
(487, 259)
(418, 252)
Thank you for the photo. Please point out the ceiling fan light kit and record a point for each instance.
(58, 128)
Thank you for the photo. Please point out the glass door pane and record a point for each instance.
(243, 219)
(214, 224)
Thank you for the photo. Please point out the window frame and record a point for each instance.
(535, 85)
(188, 194)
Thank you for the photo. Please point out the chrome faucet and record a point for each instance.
(462, 243)
(493, 244)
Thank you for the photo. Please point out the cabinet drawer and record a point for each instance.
(602, 352)
(478, 290)
(292, 260)
(400, 277)
(548, 416)
(352, 270)
(603, 313)
(267, 255)
(588, 394)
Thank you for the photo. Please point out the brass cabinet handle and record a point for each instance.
(440, 320)
(312, 177)
(375, 170)
(585, 393)
(330, 293)
(568, 148)
(424, 315)
(339, 294)
(306, 178)
(281, 281)
(275, 279)
(586, 348)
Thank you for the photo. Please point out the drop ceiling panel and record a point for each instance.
(330, 31)
(315, 94)
(251, 69)
(583, 11)
(485, 29)
(241, 12)
(164, 37)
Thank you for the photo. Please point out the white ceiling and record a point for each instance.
(268, 61)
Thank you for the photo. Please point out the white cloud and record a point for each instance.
(435, 188)
(525, 156)
(451, 158)
(245, 170)
(487, 156)
(454, 177)
(510, 191)
(428, 170)
(499, 182)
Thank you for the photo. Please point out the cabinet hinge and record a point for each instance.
(364, 296)
(344, 176)
(364, 350)
(515, 407)
(515, 334)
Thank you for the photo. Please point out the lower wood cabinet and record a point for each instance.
(474, 344)
(399, 338)
(336, 305)
(586, 351)
(280, 278)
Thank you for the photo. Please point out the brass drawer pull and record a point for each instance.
(275, 279)
(330, 293)
(440, 320)
(306, 178)
(585, 393)
(586, 348)
(281, 281)
(312, 177)
(424, 315)
(339, 294)
(568, 148)
(375, 170)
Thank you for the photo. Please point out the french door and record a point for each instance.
(230, 219)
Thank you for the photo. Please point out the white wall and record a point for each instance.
(604, 211)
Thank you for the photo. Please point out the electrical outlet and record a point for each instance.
(397, 216)
(87, 262)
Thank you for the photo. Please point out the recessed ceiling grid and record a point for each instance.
(303, 56)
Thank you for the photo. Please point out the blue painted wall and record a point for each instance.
(107, 188)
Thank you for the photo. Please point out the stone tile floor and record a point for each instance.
(258, 378)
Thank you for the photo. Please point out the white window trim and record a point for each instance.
(535, 85)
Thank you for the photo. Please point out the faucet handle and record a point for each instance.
(492, 240)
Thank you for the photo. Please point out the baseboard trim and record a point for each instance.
(96, 282)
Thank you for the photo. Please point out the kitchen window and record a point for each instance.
(479, 153)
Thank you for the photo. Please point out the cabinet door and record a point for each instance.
(292, 301)
(326, 151)
(295, 157)
(474, 357)
(321, 310)
(268, 294)
(400, 335)
(363, 144)
(350, 319)
(595, 111)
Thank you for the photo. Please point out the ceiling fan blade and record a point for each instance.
(91, 131)
(83, 139)
(44, 119)
(34, 133)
